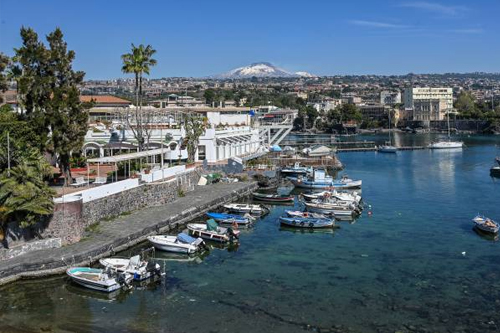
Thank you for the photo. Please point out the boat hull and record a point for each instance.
(298, 222)
(77, 275)
(387, 149)
(272, 199)
(168, 244)
(447, 145)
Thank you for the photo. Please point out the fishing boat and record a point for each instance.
(298, 213)
(448, 143)
(139, 269)
(182, 243)
(296, 170)
(300, 222)
(320, 181)
(388, 147)
(486, 224)
(272, 197)
(343, 196)
(244, 208)
(212, 231)
(106, 280)
(329, 209)
(223, 218)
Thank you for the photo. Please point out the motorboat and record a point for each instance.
(322, 181)
(329, 209)
(300, 222)
(343, 196)
(139, 269)
(298, 213)
(223, 218)
(272, 197)
(182, 243)
(213, 232)
(486, 224)
(495, 171)
(106, 280)
(244, 208)
(296, 170)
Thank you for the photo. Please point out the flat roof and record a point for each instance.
(127, 157)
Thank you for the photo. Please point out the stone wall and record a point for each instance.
(70, 219)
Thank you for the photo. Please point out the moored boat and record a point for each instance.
(298, 213)
(244, 208)
(223, 218)
(446, 145)
(299, 222)
(296, 170)
(329, 209)
(320, 180)
(387, 149)
(182, 243)
(211, 231)
(139, 269)
(350, 197)
(495, 171)
(272, 197)
(486, 224)
(106, 280)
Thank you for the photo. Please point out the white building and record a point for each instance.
(442, 97)
(390, 97)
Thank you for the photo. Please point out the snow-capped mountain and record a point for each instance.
(259, 69)
(305, 74)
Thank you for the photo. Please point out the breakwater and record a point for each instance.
(123, 232)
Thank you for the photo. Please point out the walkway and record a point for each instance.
(123, 232)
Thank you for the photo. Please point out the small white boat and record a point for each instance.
(106, 280)
(298, 213)
(446, 145)
(139, 269)
(328, 209)
(244, 208)
(387, 149)
(486, 224)
(343, 196)
(182, 243)
(211, 231)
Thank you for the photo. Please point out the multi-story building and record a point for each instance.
(374, 111)
(426, 100)
(390, 97)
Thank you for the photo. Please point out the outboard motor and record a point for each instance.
(153, 268)
(122, 280)
(232, 235)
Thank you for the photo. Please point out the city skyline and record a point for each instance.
(200, 39)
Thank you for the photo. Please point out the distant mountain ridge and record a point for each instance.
(261, 70)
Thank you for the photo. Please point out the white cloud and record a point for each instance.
(375, 24)
(436, 7)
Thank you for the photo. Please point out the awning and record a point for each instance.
(127, 157)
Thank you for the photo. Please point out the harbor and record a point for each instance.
(364, 265)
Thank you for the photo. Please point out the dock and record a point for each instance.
(123, 232)
(374, 148)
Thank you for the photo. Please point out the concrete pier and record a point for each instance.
(123, 232)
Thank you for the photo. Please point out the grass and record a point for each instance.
(94, 227)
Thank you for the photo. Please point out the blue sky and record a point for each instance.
(198, 38)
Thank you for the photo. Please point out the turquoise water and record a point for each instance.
(415, 265)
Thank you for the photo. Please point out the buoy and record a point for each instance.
(370, 213)
(369, 206)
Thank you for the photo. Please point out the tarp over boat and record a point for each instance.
(212, 225)
(185, 238)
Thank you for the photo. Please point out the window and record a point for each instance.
(201, 153)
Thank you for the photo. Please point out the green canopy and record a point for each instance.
(212, 225)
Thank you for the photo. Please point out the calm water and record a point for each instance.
(416, 265)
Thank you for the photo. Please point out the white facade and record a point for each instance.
(412, 94)
(390, 97)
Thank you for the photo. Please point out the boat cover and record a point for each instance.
(185, 238)
(224, 216)
(212, 225)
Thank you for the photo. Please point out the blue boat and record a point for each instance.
(301, 222)
(230, 218)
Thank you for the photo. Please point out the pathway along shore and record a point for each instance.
(123, 232)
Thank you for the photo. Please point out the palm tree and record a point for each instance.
(139, 62)
(24, 196)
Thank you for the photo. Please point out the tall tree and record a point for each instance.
(48, 89)
(138, 62)
(194, 126)
(4, 62)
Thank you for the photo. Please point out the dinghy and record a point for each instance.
(182, 243)
(222, 218)
(139, 269)
(299, 222)
(272, 197)
(486, 224)
(106, 280)
(328, 209)
(211, 231)
(244, 208)
(298, 213)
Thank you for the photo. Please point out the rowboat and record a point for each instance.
(329, 209)
(271, 197)
(486, 224)
(212, 231)
(106, 280)
(244, 208)
(299, 222)
(182, 243)
(298, 213)
(139, 269)
(222, 218)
